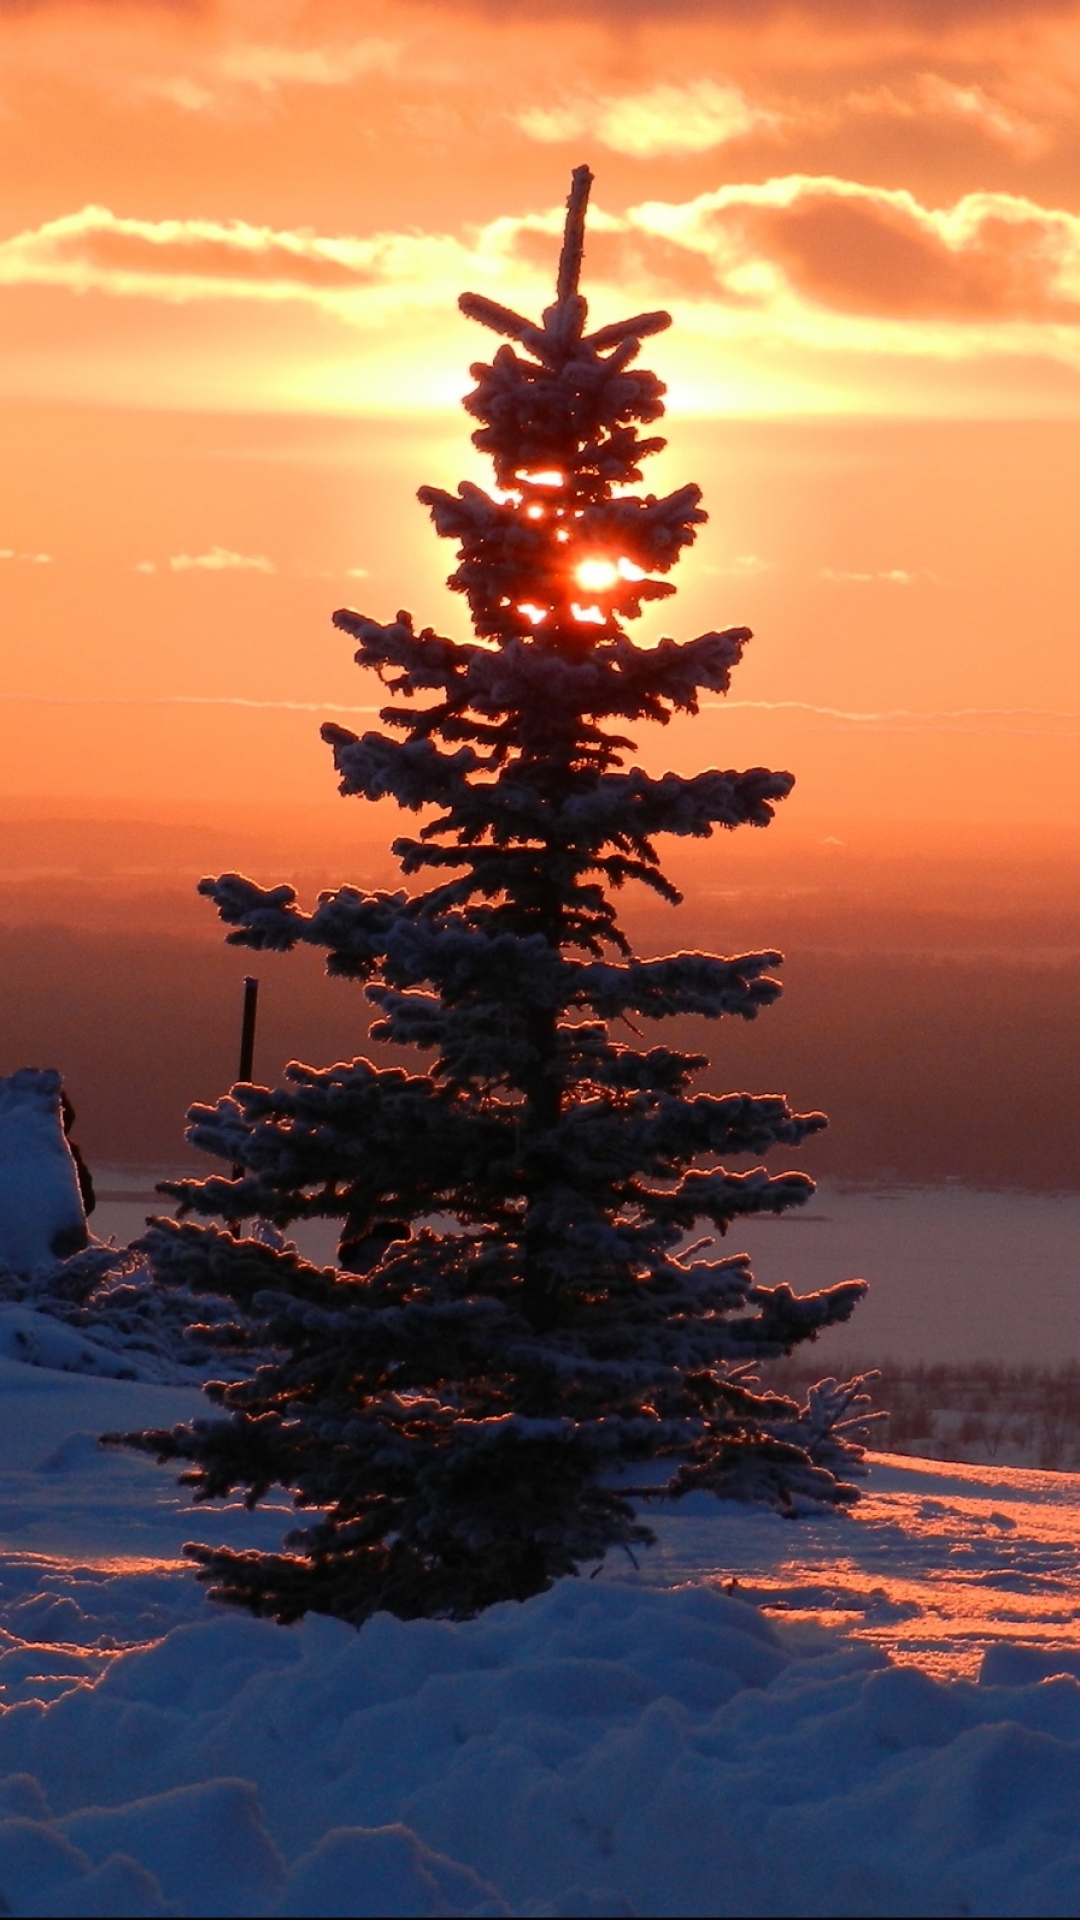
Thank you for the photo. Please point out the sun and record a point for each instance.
(596, 576)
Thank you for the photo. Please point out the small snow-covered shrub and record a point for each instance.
(982, 1411)
(111, 1310)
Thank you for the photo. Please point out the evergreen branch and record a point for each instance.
(639, 328)
(476, 306)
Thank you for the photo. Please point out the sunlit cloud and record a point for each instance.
(776, 287)
(795, 242)
(221, 560)
(842, 244)
(878, 252)
(689, 118)
(829, 277)
(31, 559)
(361, 280)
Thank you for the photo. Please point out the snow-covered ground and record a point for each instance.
(885, 1738)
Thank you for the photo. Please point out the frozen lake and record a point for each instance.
(956, 1274)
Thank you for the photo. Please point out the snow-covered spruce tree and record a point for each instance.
(518, 1322)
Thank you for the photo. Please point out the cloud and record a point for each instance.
(190, 9)
(180, 700)
(32, 559)
(879, 17)
(270, 67)
(219, 78)
(973, 106)
(874, 14)
(771, 283)
(96, 250)
(1038, 722)
(198, 54)
(220, 560)
(930, 97)
(833, 242)
(667, 119)
(745, 565)
(878, 251)
(891, 576)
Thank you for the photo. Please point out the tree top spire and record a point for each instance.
(573, 245)
(561, 329)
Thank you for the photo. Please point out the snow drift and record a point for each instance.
(603, 1748)
(644, 1742)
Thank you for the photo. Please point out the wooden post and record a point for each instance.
(247, 1047)
(247, 1028)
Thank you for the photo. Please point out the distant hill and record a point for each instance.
(946, 1047)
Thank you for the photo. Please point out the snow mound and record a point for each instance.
(41, 1209)
(603, 1749)
(646, 1742)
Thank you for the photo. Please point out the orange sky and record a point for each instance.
(231, 241)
